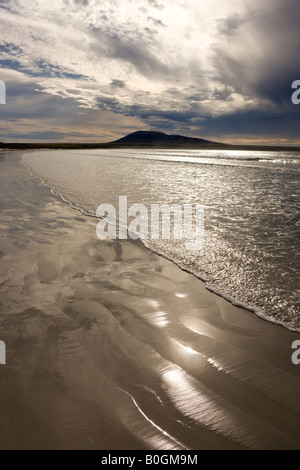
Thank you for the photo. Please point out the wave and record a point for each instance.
(235, 302)
(257, 161)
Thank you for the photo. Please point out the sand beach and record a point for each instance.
(110, 346)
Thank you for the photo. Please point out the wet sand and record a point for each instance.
(110, 346)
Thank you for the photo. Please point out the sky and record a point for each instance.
(93, 71)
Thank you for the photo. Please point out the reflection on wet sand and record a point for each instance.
(110, 346)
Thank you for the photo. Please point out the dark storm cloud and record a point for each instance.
(118, 83)
(132, 47)
(230, 25)
(155, 4)
(135, 53)
(25, 101)
(260, 58)
(81, 2)
(223, 94)
(197, 97)
(149, 114)
(156, 22)
(254, 124)
(5, 5)
(50, 135)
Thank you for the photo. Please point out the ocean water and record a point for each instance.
(251, 252)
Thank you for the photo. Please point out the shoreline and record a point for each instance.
(111, 346)
(85, 146)
(234, 301)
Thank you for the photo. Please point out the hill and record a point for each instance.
(159, 139)
(147, 139)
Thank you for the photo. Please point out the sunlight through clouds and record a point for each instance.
(173, 65)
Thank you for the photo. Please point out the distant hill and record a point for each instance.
(146, 139)
(159, 139)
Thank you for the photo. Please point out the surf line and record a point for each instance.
(188, 222)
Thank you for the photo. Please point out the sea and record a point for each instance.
(251, 199)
